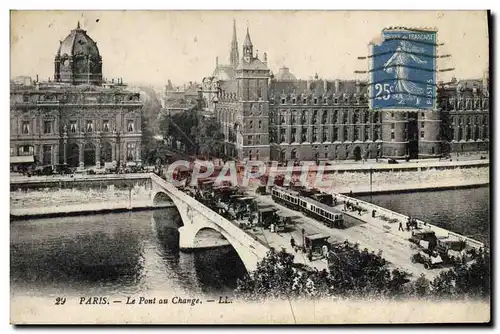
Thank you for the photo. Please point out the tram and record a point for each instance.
(292, 199)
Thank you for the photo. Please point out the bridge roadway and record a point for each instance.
(394, 244)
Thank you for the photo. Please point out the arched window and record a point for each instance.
(26, 150)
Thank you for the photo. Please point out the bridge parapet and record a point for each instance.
(403, 218)
(196, 216)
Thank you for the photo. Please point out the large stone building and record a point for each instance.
(278, 117)
(77, 118)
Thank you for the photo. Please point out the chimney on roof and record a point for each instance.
(37, 78)
(358, 86)
(325, 85)
(265, 58)
(112, 80)
(309, 85)
(337, 85)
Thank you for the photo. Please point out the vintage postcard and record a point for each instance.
(250, 167)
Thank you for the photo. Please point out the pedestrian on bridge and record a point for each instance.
(325, 251)
(400, 227)
(292, 244)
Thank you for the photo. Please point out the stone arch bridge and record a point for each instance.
(196, 217)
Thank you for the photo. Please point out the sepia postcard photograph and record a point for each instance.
(250, 167)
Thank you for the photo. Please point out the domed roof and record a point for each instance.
(77, 60)
(78, 43)
(285, 75)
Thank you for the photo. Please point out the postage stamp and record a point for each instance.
(403, 73)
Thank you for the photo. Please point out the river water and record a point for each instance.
(130, 253)
(465, 211)
(115, 254)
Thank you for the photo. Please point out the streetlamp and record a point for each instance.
(371, 190)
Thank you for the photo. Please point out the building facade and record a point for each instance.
(279, 117)
(77, 119)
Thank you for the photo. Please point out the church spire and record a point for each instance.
(234, 55)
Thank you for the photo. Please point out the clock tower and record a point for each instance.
(252, 76)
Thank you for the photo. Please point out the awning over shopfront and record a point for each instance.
(22, 159)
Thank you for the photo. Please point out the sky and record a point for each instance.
(152, 47)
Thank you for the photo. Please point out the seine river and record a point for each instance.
(130, 253)
(115, 254)
(465, 211)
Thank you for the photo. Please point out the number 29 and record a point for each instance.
(60, 300)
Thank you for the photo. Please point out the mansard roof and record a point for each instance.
(316, 87)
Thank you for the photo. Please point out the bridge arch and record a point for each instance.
(190, 233)
(160, 198)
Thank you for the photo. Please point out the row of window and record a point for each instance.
(254, 139)
(322, 136)
(73, 128)
(76, 98)
(250, 125)
(469, 133)
(294, 154)
(469, 119)
(28, 150)
(285, 196)
(26, 128)
(468, 104)
(318, 100)
(302, 117)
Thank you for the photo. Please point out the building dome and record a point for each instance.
(285, 75)
(78, 60)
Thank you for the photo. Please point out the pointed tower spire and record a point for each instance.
(247, 47)
(248, 41)
(234, 55)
